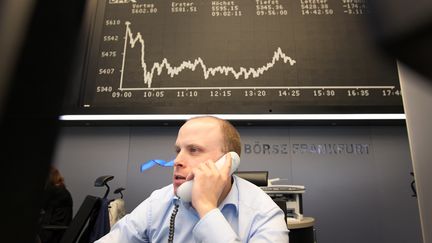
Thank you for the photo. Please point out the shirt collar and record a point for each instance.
(233, 196)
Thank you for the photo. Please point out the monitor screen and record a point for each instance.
(263, 59)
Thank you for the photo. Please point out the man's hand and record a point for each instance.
(210, 185)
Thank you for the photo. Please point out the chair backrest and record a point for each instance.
(258, 178)
(90, 205)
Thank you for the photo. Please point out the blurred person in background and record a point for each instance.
(56, 208)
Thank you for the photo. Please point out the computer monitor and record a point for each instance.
(258, 178)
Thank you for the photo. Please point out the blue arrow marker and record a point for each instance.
(147, 165)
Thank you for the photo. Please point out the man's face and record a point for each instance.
(198, 140)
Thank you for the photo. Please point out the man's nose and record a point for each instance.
(178, 161)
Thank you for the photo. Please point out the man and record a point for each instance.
(224, 208)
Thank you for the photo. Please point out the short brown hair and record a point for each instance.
(231, 136)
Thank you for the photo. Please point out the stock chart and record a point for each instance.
(235, 57)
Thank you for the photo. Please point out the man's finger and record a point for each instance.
(226, 167)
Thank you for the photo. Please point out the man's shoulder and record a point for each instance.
(252, 196)
(157, 200)
(243, 184)
(163, 194)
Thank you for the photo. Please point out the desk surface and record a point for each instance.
(304, 223)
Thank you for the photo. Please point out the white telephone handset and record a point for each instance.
(184, 192)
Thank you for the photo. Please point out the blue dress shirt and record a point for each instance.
(247, 214)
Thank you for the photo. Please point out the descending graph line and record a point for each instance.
(157, 68)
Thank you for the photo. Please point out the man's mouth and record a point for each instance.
(178, 180)
(179, 177)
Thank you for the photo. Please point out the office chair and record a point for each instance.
(88, 208)
(82, 225)
(119, 190)
(103, 181)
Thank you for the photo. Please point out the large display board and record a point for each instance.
(235, 57)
